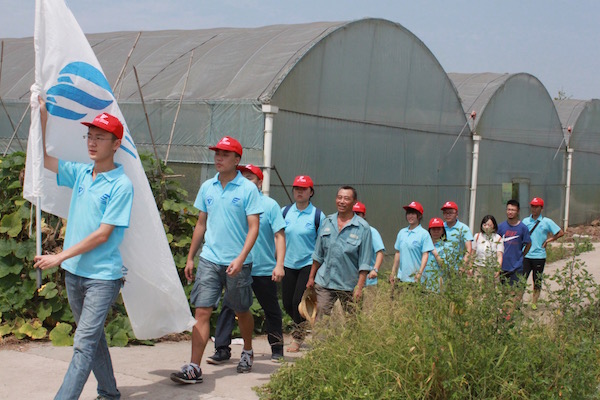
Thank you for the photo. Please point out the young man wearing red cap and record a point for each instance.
(98, 215)
(342, 256)
(267, 269)
(458, 233)
(302, 221)
(378, 247)
(542, 231)
(228, 224)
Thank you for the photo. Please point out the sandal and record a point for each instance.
(294, 347)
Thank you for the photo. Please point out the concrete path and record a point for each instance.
(36, 371)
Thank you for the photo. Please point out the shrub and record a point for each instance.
(453, 342)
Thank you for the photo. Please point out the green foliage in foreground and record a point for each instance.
(454, 343)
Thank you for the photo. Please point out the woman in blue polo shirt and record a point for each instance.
(302, 221)
(437, 265)
(413, 245)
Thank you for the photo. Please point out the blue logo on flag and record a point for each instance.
(65, 88)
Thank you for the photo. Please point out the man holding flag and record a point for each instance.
(99, 212)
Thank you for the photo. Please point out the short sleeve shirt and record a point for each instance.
(377, 247)
(539, 235)
(342, 254)
(227, 217)
(458, 235)
(263, 252)
(514, 238)
(105, 200)
(300, 236)
(412, 244)
(487, 247)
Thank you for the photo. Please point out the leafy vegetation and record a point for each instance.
(454, 342)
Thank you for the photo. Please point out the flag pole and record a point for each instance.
(38, 236)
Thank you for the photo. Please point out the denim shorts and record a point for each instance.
(211, 279)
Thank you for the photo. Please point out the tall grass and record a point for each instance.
(453, 342)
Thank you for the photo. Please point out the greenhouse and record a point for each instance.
(521, 147)
(362, 103)
(581, 120)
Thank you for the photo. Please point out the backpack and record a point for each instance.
(317, 215)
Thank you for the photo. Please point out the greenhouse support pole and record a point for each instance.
(474, 170)
(270, 112)
(568, 187)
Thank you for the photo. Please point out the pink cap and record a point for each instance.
(229, 144)
(252, 168)
(108, 123)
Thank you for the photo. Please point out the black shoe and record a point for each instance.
(220, 356)
(188, 374)
(277, 357)
(245, 364)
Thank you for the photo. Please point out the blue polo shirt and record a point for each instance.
(433, 270)
(514, 238)
(300, 236)
(227, 211)
(263, 252)
(539, 235)
(377, 247)
(412, 244)
(104, 200)
(342, 254)
(458, 235)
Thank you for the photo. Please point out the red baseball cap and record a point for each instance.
(450, 204)
(414, 206)
(359, 207)
(436, 223)
(252, 168)
(537, 201)
(303, 181)
(229, 144)
(108, 123)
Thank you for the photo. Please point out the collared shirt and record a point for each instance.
(539, 235)
(514, 238)
(300, 236)
(486, 247)
(412, 244)
(227, 217)
(377, 247)
(104, 200)
(342, 254)
(458, 235)
(433, 270)
(263, 252)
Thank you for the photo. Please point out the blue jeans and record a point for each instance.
(90, 301)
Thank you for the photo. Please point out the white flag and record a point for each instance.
(67, 71)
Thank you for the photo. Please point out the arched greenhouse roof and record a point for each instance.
(228, 63)
(583, 116)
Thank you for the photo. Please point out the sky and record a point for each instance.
(557, 41)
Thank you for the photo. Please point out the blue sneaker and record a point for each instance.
(190, 373)
(245, 364)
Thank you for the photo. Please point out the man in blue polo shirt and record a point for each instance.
(457, 233)
(342, 256)
(228, 224)
(99, 212)
(267, 269)
(542, 231)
